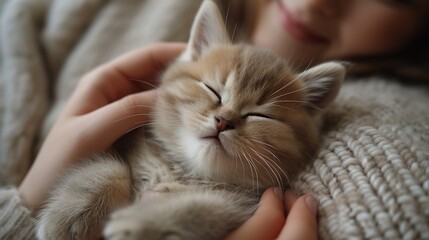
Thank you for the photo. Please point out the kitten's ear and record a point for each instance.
(208, 29)
(322, 84)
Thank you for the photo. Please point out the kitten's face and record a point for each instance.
(238, 115)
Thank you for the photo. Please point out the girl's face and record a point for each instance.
(309, 31)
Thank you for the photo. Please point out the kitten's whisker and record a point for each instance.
(190, 109)
(275, 156)
(309, 64)
(217, 169)
(227, 13)
(267, 161)
(289, 101)
(142, 81)
(143, 124)
(173, 115)
(278, 170)
(278, 90)
(298, 101)
(254, 162)
(136, 127)
(280, 106)
(255, 178)
(252, 168)
(233, 33)
(291, 92)
(264, 143)
(242, 164)
(270, 170)
(245, 158)
(134, 115)
(156, 123)
(285, 86)
(236, 157)
(291, 65)
(271, 93)
(140, 105)
(277, 165)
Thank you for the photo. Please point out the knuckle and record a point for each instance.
(131, 100)
(131, 103)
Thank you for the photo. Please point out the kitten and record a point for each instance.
(230, 121)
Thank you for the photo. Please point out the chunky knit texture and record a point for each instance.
(15, 220)
(371, 175)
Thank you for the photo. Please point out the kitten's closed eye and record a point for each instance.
(261, 115)
(215, 95)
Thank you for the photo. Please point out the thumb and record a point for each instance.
(267, 221)
(301, 222)
(112, 121)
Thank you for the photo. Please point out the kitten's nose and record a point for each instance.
(223, 124)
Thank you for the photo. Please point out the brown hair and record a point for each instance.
(409, 63)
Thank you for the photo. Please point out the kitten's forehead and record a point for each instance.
(229, 86)
(256, 72)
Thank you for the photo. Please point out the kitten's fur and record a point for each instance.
(230, 121)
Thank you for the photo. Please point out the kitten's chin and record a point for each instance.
(206, 156)
(210, 158)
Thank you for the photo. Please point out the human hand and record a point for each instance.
(107, 103)
(269, 221)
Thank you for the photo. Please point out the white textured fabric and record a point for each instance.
(14, 217)
(371, 175)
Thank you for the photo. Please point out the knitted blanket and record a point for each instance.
(370, 176)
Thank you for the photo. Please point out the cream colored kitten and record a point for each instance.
(230, 121)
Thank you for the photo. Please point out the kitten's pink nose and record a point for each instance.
(223, 124)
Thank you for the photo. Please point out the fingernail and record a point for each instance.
(311, 203)
(278, 192)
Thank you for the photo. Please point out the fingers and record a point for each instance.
(290, 199)
(106, 104)
(130, 73)
(301, 222)
(109, 123)
(267, 221)
(146, 61)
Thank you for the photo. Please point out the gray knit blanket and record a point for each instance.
(370, 176)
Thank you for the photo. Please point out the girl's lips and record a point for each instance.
(297, 29)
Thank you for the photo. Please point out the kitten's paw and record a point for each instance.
(130, 223)
(65, 226)
(191, 216)
(44, 232)
(82, 202)
(121, 226)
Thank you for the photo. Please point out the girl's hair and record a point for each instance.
(408, 63)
